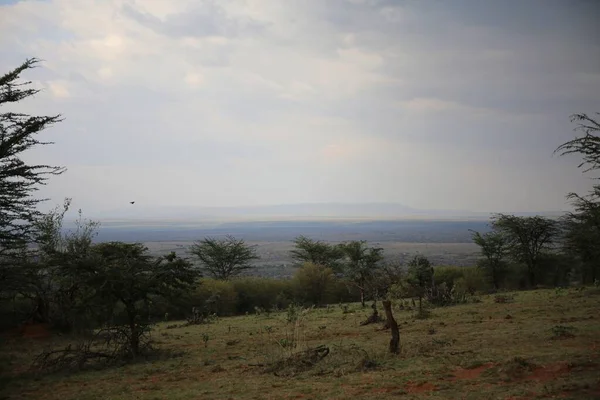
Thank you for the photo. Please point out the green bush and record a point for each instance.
(447, 275)
(214, 296)
(263, 293)
(313, 284)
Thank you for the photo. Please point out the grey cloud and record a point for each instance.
(204, 19)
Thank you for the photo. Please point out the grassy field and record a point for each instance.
(543, 344)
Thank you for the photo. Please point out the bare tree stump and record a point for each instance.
(395, 341)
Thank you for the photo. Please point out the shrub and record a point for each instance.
(263, 293)
(313, 284)
(215, 297)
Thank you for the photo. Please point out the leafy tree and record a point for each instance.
(317, 252)
(127, 276)
(57, 264)
(313, 283)
(362, 265)
(419, 277)
(225, 258)
(18, 179)
(582, 233)
(527, 239)
(494, 249)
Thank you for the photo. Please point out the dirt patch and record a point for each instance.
(549, 372)
(35, 331)
(412, 387)
(470, 373)
(389, 389)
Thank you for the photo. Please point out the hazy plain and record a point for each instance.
(444, 241)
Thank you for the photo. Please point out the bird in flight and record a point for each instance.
(131, 202)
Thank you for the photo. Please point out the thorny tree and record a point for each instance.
(527, 239)
(494, 249)
(582, 233)
(317, 252)
(225, 258)
(362, 265)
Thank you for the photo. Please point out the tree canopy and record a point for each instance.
(317, 252)
(224, 258)
(527, 238)
(18, 179)
(361, 265)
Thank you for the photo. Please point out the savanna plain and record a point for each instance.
(539, 344)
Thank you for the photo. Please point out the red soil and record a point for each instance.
(472, 373)
(419, 388)
(35, 331)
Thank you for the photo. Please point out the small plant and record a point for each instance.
(286, 343)
(205, 339)
(563, 332)
(293, 313)
(596, 282)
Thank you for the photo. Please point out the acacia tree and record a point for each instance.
(55, 282)
(419, 277)
(362, 265)
(527, 239)
(582, 233)
(317, 252)
(126, 274)
(494, 249)
(18, 179)
(224, 258)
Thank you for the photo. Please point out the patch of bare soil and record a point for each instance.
(470, 373)
(35, 331)
(412, 387)
(547, 373)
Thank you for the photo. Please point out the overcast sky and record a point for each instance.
(433, 104)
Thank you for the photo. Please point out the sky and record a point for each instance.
(432, 104)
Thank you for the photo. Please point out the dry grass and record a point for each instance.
(474, 352)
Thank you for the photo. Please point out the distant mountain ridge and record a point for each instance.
(139, 211)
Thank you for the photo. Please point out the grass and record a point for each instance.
(464, 352)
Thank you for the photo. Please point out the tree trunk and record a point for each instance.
(395, 341)
(362, 297)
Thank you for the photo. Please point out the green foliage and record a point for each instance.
(215, 297)
(419, 277)
(313, 284)
(582, 233)
(316, 252)
(262, 292)
(527, 238)
(19, 180)
(293, 313)
(224, 258)
(494, 249)
(361, 266)
(125, 275)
